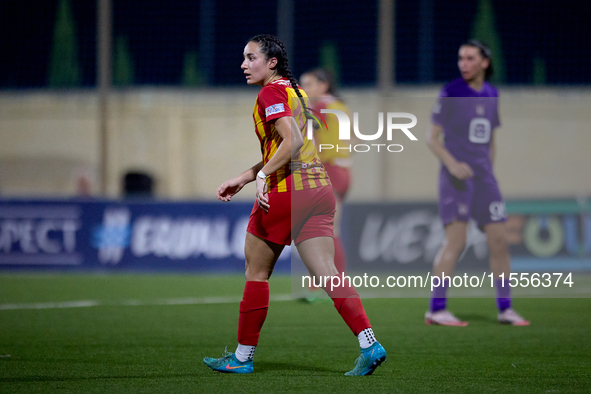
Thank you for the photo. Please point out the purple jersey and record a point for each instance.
(468, 119)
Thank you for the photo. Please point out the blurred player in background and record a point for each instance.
(320, 87)
(294, 201)
(466, 114)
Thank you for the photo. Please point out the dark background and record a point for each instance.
(160, 33)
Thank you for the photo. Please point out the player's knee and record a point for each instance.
(257, 276)
(252, 272)
(497, 245)
(454, 247)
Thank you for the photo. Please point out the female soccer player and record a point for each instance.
(467, 114)
(320, 87)
(298, 192)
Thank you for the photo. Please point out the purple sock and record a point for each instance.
(503, 294)
(439, 297)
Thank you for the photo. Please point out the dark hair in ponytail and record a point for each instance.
(272, 46)
(484, 52)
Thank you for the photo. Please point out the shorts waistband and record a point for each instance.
(298, 165)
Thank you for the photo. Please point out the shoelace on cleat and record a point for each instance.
(360, 358)
(222, 359)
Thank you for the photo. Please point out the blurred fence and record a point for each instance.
(52, 43)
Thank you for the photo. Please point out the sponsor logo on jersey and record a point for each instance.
(274, 109)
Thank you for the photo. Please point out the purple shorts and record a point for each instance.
(477, 197)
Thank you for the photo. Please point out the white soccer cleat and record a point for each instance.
(443, 318)
(509, 316)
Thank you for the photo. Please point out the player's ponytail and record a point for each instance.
(271, 46)
(485, 53)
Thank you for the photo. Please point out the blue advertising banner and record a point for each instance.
(542, 235)
(124, 235)
(209, 236)
(390, 237)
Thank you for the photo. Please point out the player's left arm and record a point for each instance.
(292, 141)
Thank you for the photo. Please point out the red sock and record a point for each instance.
(340, 260)
(351, 310)
(253, 311)
(348, 304)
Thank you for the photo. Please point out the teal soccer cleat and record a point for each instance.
(369, 360)
(228, 364)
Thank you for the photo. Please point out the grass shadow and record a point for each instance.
(476, 318)
(40, 378)
(278, 366)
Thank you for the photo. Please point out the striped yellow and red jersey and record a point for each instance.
(329, 133)
(276, 100)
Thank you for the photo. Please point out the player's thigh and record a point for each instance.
(314, 239)
(261, 256)
(318, 255)
(455, 236)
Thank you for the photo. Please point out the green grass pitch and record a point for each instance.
(149, 333)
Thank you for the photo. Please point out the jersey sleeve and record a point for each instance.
(441, 109)
(274, 102)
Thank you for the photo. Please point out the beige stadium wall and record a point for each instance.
(194, 140)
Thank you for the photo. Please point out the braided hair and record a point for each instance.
(484, 52)
(271, 46)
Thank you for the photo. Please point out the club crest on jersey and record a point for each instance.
(480, 109)
(274, 109)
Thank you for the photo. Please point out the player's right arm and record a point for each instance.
(458, 169)
(234, 185)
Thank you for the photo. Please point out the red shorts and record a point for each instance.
(297, 215)
(340, 178)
